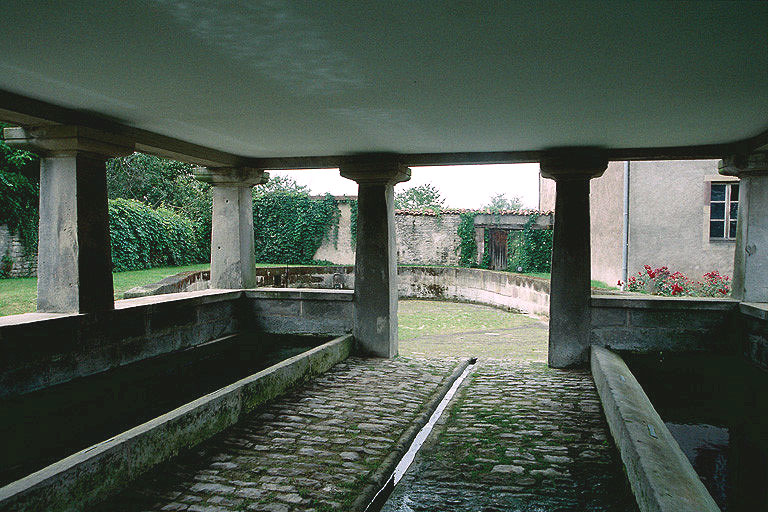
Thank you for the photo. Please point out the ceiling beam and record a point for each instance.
(25, 111)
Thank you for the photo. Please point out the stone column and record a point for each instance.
(750, 268)
(375, 300)
(569, 313)
(74, 259)
(232, 252)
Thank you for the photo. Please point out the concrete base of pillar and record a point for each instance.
(375, 302)
(74, 258)
(376, 272)
(232, 256)
(569, 311)
(232, 253)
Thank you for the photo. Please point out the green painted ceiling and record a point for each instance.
(289, 78)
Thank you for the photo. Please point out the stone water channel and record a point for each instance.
(516, 436)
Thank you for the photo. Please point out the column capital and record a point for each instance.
(66, 140)
(375, 169)
(754, 164)
(573, 163)
(232, 176)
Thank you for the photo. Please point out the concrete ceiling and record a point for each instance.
(307, 78)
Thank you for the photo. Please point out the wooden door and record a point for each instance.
(498, 249)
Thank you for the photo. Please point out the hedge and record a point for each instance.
(143, 237)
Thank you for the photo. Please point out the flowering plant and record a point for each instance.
(660, 281)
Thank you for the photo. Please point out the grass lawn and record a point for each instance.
(19, 295)
(595, 284)
(450, 329)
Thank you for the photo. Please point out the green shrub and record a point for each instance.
(143, 237)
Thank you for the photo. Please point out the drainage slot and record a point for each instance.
(381, 497)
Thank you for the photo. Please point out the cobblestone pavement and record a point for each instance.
(519, 437)
(314, 449)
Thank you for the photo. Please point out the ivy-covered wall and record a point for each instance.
(289, 227)
(448, 238)
(530, 250)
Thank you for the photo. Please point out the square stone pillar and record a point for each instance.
(570, 285)
(750, 264)
(232, 253)
(375, 299)
(74, 259)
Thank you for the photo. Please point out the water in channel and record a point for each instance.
(41, 427)
(716, 407)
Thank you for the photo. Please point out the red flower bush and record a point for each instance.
(661, 281)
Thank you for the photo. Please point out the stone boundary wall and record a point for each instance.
(499, 289)
(427, 239)
(108, 467)
(181, 282)
(648, 323)
(422, 239)
(39, 350)
(11, 246)
(310, 276)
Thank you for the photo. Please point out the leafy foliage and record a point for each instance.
(500, 202)
(419, 197)
(531, 249)
(467, 243)
(486, 259)
(19, 194)
(143, 237)
(280, 184)
(162, 183)
(289, 226)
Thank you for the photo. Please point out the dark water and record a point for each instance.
(716, 407)
(39, 428)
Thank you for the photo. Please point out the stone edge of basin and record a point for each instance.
(94, 474)
(661, 477)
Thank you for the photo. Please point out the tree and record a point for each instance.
(500, 202)
(19, 193)
(419, 197)
(280, 184)
(159, 182)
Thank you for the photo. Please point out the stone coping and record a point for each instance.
(198, 297)
(757, 310)
(659, 302)
(300, 294)
(95, 473)
(194, 298)
(28, 318)
(661, 477)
